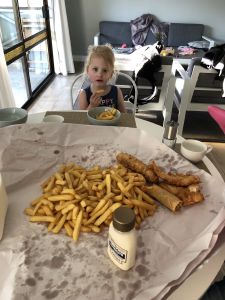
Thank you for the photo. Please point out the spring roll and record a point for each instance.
(164, 197)
(189, 195)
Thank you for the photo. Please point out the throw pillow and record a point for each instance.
(199, 44)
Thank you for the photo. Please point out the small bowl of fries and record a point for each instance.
(103, 115)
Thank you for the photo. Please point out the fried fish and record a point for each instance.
(175, 179)
(131, 162)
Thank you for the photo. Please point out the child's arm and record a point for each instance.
(121, 105)
(82, 100)
(94, 100)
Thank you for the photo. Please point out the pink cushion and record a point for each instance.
(218, 114)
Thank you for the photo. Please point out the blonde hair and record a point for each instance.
(104, 51)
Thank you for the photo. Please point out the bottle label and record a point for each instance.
(117, 252)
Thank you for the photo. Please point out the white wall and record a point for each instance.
(84, 16)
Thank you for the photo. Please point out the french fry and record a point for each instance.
(68, 180)
(77, 226)
(42, 219)
(95, 229)
(52, 224)
(68, 208)
(61, 182)
(142, 204)
(59, 176)
(38, 205)
(47, 210)
(107, 213)
(146, 197)
(29, 211)
(61, 197)
(75, 212)
(85, 228)
(50, 184)
(68, 191)
(101, 203)
(36, 201)
(69, 215)
(48, 203)
(108, 183)
(98, 213)
(68, 228)
(60, 224)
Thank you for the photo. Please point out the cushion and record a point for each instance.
(115, 33)
(199, 44)
(180, 34)
(152, 39)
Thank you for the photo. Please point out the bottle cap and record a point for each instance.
(170, 130)
(123, 219)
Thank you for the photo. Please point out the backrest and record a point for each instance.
(115, 33)
(126, 83)
(152, 39)
(80, 82)
(196, 89)
(180, 34)
(118, 33)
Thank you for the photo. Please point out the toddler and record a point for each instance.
(100, 68)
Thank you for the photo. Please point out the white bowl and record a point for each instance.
(12, 115)
(94, 112)
(194, 150)
(53, 119)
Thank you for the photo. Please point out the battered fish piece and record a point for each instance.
(189, 195)
(175, 179)
(131, 162)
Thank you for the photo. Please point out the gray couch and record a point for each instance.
(177, 34)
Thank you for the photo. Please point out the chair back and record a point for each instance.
(196, 89)
(80, 82)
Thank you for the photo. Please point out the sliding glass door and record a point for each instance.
(25, 34)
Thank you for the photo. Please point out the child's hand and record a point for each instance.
(95, 100)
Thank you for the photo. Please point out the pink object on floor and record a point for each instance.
(218, 114)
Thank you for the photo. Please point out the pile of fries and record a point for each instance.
(109, 114)
(75, 199)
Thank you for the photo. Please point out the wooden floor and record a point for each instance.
(55, 97)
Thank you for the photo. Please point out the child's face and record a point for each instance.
(99, 72)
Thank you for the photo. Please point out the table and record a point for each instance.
(78, 117)
(196, 284)
(124, 61)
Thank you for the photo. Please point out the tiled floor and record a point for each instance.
(55, 97)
